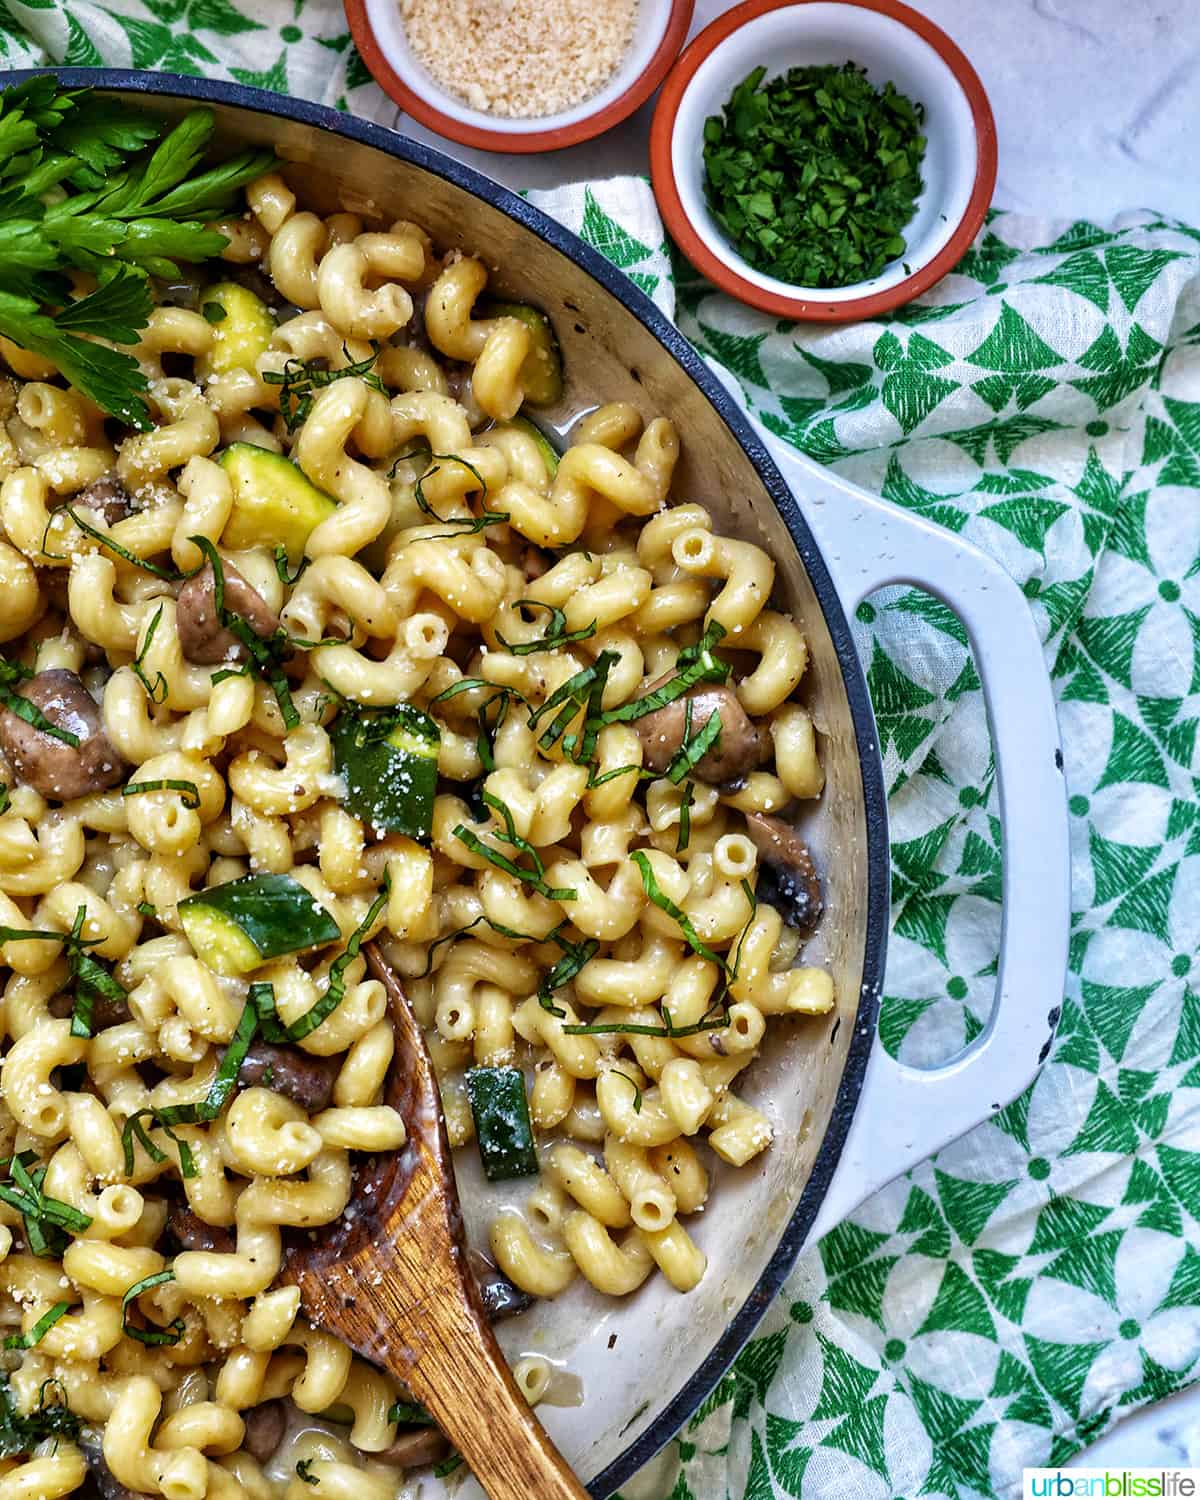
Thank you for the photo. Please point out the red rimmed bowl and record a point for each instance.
(379, 35)
(893, 42)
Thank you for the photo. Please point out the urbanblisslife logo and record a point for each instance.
(1111, 1484)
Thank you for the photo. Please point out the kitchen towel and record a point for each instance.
(1002, 1305)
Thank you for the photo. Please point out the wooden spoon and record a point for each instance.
(390, 1279)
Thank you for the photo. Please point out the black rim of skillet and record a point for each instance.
(701, 1382)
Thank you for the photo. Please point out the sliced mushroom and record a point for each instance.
(202, 637)
(50, 765)
(288, 1070)
(413, 1449)
(265, 1426)
(108, 1486)
(108, 496)
(500, 1298)
(788, 878)
(105, 1012)
(739, 748)
(193, 1233)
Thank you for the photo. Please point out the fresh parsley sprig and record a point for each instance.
(84, 189)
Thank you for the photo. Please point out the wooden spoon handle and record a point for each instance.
(477, 1404)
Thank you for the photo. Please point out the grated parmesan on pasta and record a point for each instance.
(520, 57)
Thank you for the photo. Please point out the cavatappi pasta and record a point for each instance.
(343, 649)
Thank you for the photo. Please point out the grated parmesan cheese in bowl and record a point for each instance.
(522, 59)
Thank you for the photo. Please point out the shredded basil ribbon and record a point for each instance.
(261, 997)
(222, 1085)
(4, 798)
(157, 690)
(169, 1335)
(485, 741)
(694, 749)
(304, 1471)
(39, 1330)
(556, 632)
(12, 673)
(134, 1127)
(336, 989)
(191, 792)
(575, 955)
(467, 525)
(264, 654)
(509, 835)
(281, 566)
(35, 1208)
(637, 1093)
(90, 976)
(637, 1028)
(749, 893)
(640, 771)
(20, 1434)
(685, 817)
(410, 1414)
(299, 378)
(508, 932)
(664, 903)
(584, 691)
(696, 664)
(421, 451)
(172, 575)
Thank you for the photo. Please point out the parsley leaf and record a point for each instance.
(83, 188)
(814, 174)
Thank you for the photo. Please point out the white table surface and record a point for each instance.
(1097, 106)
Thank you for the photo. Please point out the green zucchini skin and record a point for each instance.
(389, 761)
(542, 371)
(274, 501)
(546, 448)
(503, 1130)
(237, 926)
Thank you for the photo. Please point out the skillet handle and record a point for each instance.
(906, 1114)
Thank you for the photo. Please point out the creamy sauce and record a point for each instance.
(309, 1437)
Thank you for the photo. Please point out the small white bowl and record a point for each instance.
(380, 37)
(892, 42)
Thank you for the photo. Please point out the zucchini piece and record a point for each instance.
(236, 927)
(503, 1130)
(546, 448)
(389, 762)
(240, 336)
(542, 372)
(273, 501)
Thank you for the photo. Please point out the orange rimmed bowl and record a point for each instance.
(893, 42)
(379, 35)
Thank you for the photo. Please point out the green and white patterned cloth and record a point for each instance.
(1006, 1303)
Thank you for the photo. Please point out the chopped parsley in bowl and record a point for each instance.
(823, 162)
(815, 174)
